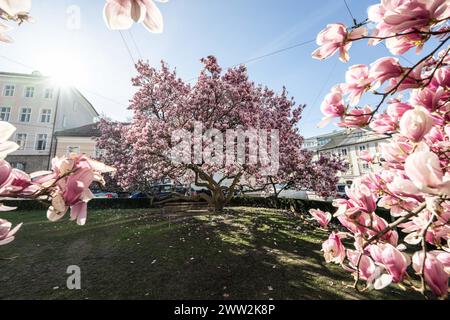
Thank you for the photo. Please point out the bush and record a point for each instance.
(296, 205)
(94, 204)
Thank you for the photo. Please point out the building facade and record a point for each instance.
(81, 140)
(38, 108)
(349, 146)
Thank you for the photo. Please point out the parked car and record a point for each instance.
(195, 192)
(294, 194)
(165, 191)
(340, 192)
(100, 194)
(138, 195)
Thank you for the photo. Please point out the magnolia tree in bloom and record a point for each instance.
(65, 187)
(196, 133)
(414, 179)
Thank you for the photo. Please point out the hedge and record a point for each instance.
(296, 205)
(94, 204)
(282, 203)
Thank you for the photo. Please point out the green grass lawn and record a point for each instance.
(174, 253)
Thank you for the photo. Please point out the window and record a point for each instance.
(48, 93)
(46, 115)
(41, 143)
(9, 90)
(21, 140)
(344, 152)
(29, 92)
(19, 165)
(25, 115)
(362, 148)
(73, 149)
(5, 112)
(366, 166)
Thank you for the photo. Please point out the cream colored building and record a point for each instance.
(38, 108)
(81, 140)
(348, 146)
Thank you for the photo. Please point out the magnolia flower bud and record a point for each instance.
(416, 123)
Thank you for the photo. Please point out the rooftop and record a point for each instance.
(90, 130)
(34, 74)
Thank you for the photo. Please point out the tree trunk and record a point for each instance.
(218, 200)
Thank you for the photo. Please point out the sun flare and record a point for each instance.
(64, 69)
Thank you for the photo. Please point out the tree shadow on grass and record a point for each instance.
(143, 254)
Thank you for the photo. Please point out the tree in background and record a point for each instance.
(165, 108)
(414, 179)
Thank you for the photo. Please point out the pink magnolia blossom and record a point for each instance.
(400, 45)
(323, 218)
(6, 234)
(383, 123)
(335, 37)
(333, 249)
(424, 170)
(356, 118)
(396, 16)
(361, 199)
(400, 186)
(366, 264)
(414, 227)
(15, 10)
(74, 175)
(396, 109)
(121, 14)
(378, 224)
(394, 261)
(367, 156)
(444, 258)
(3, 36)
(6, 147)
(18, 182)
(416, 123)
(429, 98)
(434, 271)
(385, 69)
(368, 270)
(333, 106)
(357, 82)
(396, 151)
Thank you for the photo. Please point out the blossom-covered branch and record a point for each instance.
(66, 186)
(414, 179)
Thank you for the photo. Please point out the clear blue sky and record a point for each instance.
(233, 30)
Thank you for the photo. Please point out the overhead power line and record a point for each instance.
(322, 88)
(127, 47)
(355, 22)
(17, 62)
(274, 53)
(265, 55)
(135, 44)
(34, 69)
